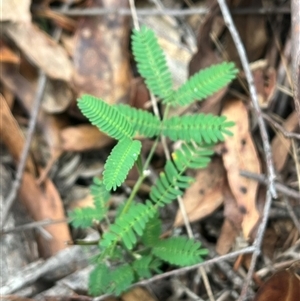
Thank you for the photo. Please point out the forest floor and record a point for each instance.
(244, 207)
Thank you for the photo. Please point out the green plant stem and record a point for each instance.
(140, 179)
(86, 243)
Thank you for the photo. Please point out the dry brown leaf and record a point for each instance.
(15, 10)
(205, 195)
(83, 138)
(281, 145)
(265, 82)
(282, 286)
(41, 49)
(232, 224)
(45, 203)
(57, 94)
(240, 154)
(7, 55)
(101, 54)
(138, 294)
(12, 136)
(226, 238)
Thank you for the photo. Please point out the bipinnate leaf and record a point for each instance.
(142, 266)
(143, 122)
(200, 128)
(152, 231)
(128, 226)
(84, 217)
(105, 281)
(120, 279)
(151, 62)
(192, 156)
(180, 251)
(119, 162)
(203, 84)
(100, 194)
(167, 187)
(99, 280)
(107, 118)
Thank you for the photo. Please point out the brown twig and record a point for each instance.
(243, 57)
(271, 192)
(33, 225)
(292, 214)
(295, 11)
(280, 187)
(32, 123)
(167, 12)
(284, 132)
(21, 166)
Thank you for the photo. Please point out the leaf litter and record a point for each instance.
(94, 57)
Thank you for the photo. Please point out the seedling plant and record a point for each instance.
(131, 248)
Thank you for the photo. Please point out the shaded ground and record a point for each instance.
(53, 51)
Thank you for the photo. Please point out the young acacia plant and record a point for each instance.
(131, 248)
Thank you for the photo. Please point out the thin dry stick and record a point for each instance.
(281, 128)
(271, 192)
(33, 225)
(167, 12)
(261, 178)
(32, 123)
(262, 127)
(295, 10)
(21, 167)
(292, 214)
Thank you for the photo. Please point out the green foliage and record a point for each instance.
(199, 128)
(85, 217)
(128, 225)
(143, 122)
(131, 247)
(121, 278)
(142, 266)
(151, 63)
(203, 84)
(107, 118)
(179, 251)
(152, 231)
(99, 280)
(120, 161)
(105, 281)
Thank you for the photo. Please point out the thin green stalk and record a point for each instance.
(140, 179)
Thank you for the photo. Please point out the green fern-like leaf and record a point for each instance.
(152, 231)
(100, 194)
(200, 128)
(119, 162)
(180, 251)
(143, 122)
(121, 278)
(203, 84)
(128, 226)
(167, 186)
(84, 217)
(142, 266)
(151, 62)
(99, 280)
(105, 117)
(191, 156)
